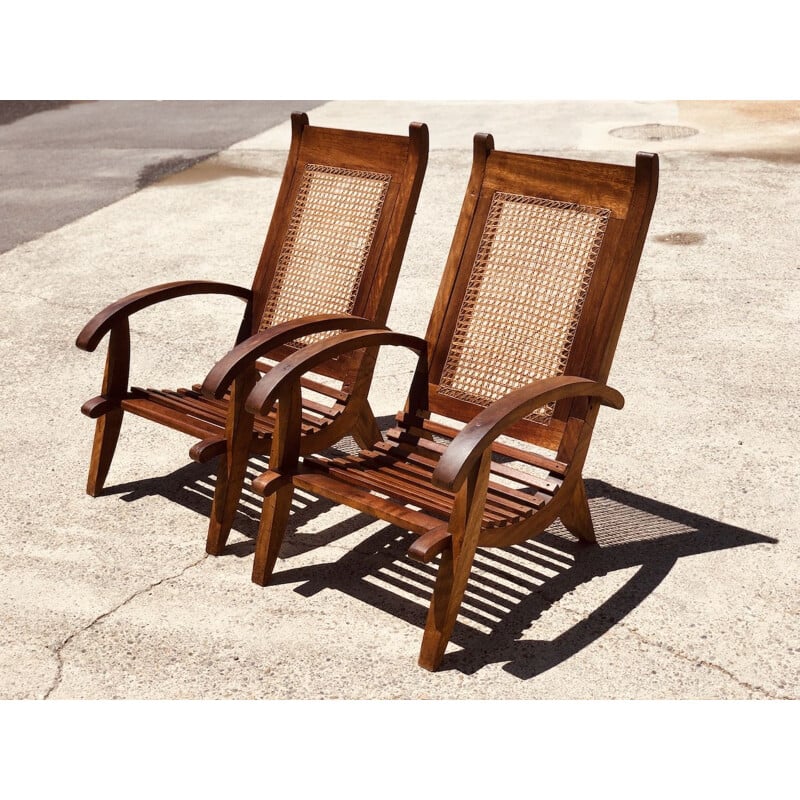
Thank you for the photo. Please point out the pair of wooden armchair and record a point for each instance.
(490, 446)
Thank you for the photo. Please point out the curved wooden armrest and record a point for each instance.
(291, 368)
(101, 323)
(245, 353)
(467, 447)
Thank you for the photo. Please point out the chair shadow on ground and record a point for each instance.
(510, 588)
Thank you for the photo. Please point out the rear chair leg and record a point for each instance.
(366, 431)
(227, 491)
(576, 516)
(232, 465)
(106, 436)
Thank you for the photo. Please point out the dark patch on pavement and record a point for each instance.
(777, 156)
(681, 237)
(215, 170)
(152, 173)
(653, 132)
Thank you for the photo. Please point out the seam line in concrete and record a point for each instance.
(58, 651)
(726, 279)
(57, 303)
(700, 662)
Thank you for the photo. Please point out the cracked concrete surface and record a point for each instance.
(756, 691)
(692, 591)
(59, 651)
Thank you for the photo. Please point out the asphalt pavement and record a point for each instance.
(61, 160)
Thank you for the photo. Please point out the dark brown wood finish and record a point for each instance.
(454, 496)
(388, 170)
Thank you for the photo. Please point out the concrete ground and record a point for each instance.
(692, 591)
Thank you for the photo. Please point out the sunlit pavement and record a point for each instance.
(692, 591)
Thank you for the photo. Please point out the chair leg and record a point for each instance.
(232, 465)
(106, 436)
(283, 459)
(455, 565)
(366, 431)
(576, 516)
(274, 518)
(441, 617)
(448, 594)
(227, 491)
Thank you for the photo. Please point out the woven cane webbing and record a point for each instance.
(327, 243)
(524, 298)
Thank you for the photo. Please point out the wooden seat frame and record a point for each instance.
(327, 172)
(454, 495)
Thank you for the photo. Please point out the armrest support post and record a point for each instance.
(118, 359)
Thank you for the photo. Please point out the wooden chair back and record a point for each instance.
(334, 243)
(537, 281)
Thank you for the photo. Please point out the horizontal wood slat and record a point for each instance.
(323, 485)
(409, 421)
(402, 471)
(187, 411)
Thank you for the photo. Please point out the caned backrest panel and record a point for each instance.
(537, 281)
(524, 297)
(328, 240)
(339, 228)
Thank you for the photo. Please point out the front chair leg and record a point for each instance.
(455, 565)
(106, 436)
(276, 484)
(442, 614)
(106, 431)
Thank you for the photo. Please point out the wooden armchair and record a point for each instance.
(330, 262)
(511, 374)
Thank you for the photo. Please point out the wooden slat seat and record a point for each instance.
(404, 472)
(409, 482)
(189, 411)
